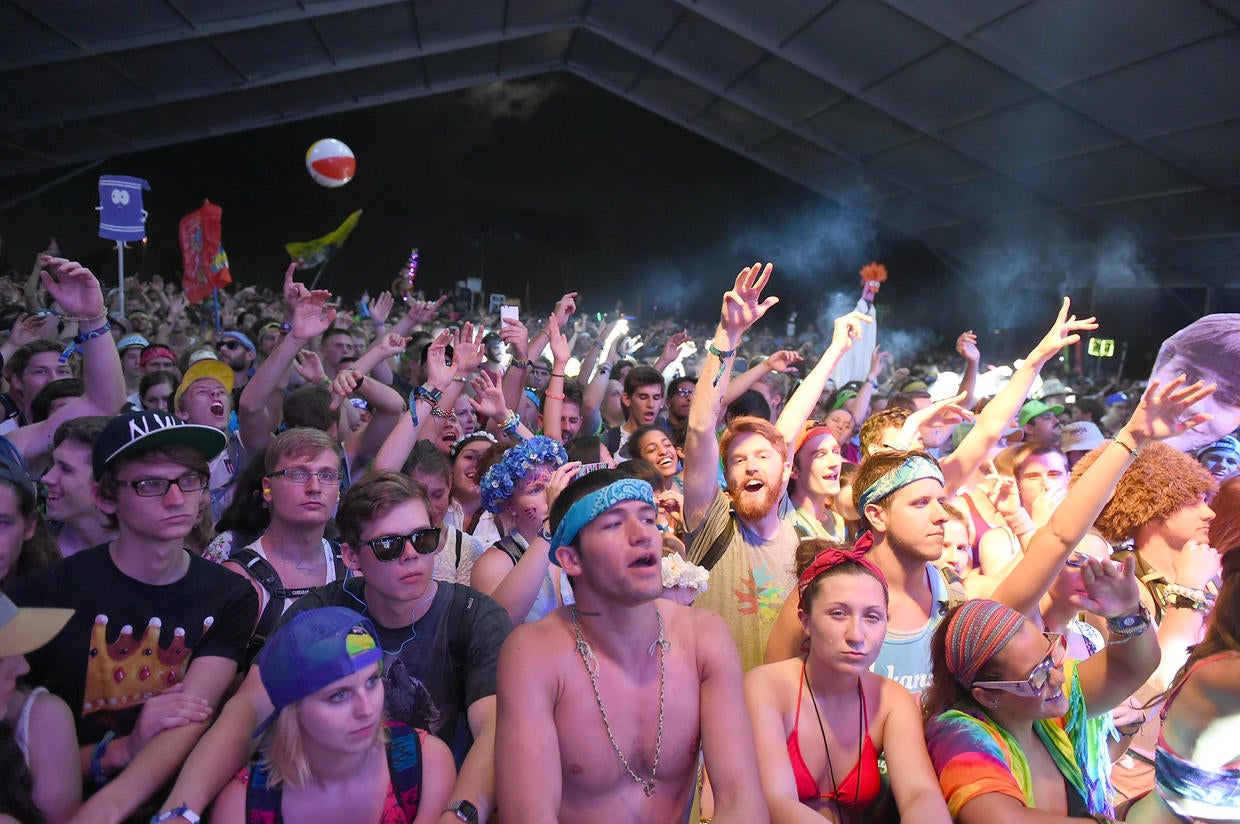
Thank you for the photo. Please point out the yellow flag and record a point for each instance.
(314, 253)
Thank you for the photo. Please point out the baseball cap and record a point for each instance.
(16, 474)
(208, 367)
(138, 432)
(150, 353)
(130, 341)
(241, 338)
(311, 650)
(25, 629)
(1227, 443)
(1080, 436)
(807, 434)
(1033, 408)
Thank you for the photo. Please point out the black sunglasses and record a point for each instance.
(391, 547)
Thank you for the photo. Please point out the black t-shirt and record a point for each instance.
(127, 640)
(429, 684)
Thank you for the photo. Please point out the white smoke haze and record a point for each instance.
(823, 246)
(511, 99)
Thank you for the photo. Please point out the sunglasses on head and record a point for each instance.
(1033, 684)
(391, 547)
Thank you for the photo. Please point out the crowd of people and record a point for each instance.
(279, 560)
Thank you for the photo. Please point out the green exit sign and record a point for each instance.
(1102, 347)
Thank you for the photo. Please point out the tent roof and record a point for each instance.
(950, 121)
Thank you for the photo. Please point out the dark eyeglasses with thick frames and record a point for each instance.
(391, 547)
(1037, 679)
(301, 476)
(158, 487)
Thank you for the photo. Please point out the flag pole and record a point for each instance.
(215, 294)
(120, 268)
(314, 283)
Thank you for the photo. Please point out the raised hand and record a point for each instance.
(558, 343)
(564, 309)
(848, 330)
(346, 383)
(468, 353)
(293, 290)
(560, 477)
(514, 333)
(381, 307)
(942, 413)
(1063, 332)
(310, 315)
(309, 366)
(784, 361)
(28, 328)
(1197, 564)
(439, 372)
(966, 346)
(743, 305)
(879, 360)
(490, 401)
(389, 345)
(630, 345)
(671, 349)
(425, 311)
(73, 286)
(1162, 412)
(1111, 589)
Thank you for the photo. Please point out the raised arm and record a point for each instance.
(310, 316)
(966, 346)
(743, 306)
(553, 398)
(408, 429)
(1157, 417)
(782, 361)
(387, 407)
(801, 404)
(992, 420)
(859, 404)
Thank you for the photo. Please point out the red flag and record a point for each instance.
(202, 256)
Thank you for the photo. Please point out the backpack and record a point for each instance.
(1154, 581)
(261, 570)
(404, 760)
(506, 545)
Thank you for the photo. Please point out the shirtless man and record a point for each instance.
(603, 705)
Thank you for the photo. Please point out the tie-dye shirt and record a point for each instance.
(974, 756)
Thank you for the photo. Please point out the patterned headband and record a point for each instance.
(977, 631)
(914, 468)
(595, 504)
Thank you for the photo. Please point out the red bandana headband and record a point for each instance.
(829, 559)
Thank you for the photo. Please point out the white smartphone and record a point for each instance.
(506, 312)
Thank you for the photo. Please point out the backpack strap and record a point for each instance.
(464, 602)
(404, 758)
(262, 802)
(956, 594)
(720, 544)
(1154, 581)
(460, 540)
(509, 547)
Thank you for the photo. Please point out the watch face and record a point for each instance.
(466, 811)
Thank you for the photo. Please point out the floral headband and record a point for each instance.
(501, 479)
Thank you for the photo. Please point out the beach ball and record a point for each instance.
(330, 163)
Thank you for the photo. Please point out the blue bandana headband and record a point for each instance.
(914, 468)
(595, 504)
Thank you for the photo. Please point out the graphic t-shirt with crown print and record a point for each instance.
(128, 641)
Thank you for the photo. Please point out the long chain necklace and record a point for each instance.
(835, 790)
(591, 664)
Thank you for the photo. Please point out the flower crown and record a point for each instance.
(500, 480)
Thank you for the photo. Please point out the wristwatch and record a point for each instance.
(182, 811)
(464, 810)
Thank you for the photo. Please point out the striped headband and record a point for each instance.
(976, 632)
(589, 507)
(914, 468)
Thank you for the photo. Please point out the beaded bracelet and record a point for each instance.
(1126, 447)
(511, 423)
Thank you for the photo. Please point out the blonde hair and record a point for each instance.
(283, 754)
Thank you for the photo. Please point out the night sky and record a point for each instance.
(552, 184)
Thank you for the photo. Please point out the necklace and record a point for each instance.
(835, 790)
(591, 664)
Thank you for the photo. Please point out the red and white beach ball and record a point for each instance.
(330, 163)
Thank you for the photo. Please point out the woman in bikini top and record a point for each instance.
(1197, 761)
(849, 715)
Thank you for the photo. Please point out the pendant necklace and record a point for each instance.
(591, 664)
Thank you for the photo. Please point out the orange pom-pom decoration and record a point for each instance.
(875, 272)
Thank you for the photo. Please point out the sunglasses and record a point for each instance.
(1037, 679)
(391, 547)
(231, 344)
(684, 393)
(1077, 559)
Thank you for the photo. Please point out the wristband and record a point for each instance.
(96, 758)
(432, 396)
(552, 396)
(1130, 626)
(718, 352)
(511, 423)
(519, 364)
(285, 328)
(413, 413)
(182, 811)
(1182, 597)
(558, 375)
(1134, 453)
